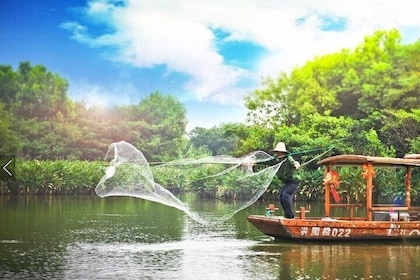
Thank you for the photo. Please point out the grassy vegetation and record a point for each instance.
(54, 177)
(75, 177)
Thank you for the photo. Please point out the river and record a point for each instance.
(66, 237)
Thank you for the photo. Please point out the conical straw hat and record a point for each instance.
(280, 147)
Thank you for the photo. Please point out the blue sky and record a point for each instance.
(209, 54)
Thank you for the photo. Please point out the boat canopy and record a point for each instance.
(368, 164)
(409, 160)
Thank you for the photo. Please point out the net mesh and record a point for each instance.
(209, 190)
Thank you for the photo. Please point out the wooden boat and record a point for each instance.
(380, 221)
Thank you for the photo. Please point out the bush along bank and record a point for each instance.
(73, 177)
(54, 177)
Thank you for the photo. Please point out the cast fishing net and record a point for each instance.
(210, 189)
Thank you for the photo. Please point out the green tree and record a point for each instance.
(385, 71)
(41, 94)
(258, 138)
(401, 129)
(162, 125)
(8, 85)
(9, 143)
(48, 125)
(379, 74)
(267, 106)
(219, 140)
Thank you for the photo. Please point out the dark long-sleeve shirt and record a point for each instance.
(287, 171)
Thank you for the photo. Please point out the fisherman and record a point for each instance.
(288, 175)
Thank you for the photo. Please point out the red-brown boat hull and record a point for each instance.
(312, 229)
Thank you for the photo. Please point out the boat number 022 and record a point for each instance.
(340, 232)
(326, 231)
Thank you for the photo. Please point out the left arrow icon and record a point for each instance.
(6, 170)
(7, 164)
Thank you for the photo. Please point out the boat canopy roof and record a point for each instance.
(409, 160)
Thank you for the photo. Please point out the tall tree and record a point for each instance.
(219, 140)
(9, 143)
(401, 129)
(41, 93)
(162, 126)
(379, 74)
(8, 85)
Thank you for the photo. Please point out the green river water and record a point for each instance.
(127, 238)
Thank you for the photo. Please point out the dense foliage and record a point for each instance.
(363, 101)
(41, 122)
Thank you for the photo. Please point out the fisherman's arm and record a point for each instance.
(294, 162)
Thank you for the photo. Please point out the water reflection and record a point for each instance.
(127, 238)
(343, 261)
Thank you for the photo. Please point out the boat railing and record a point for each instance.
(388, 207)
(350, 206)
(302, 213)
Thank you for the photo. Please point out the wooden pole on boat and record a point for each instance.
(327, 191)
(407, 186)
(368, 174)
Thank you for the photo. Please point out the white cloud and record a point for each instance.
(178, 34)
